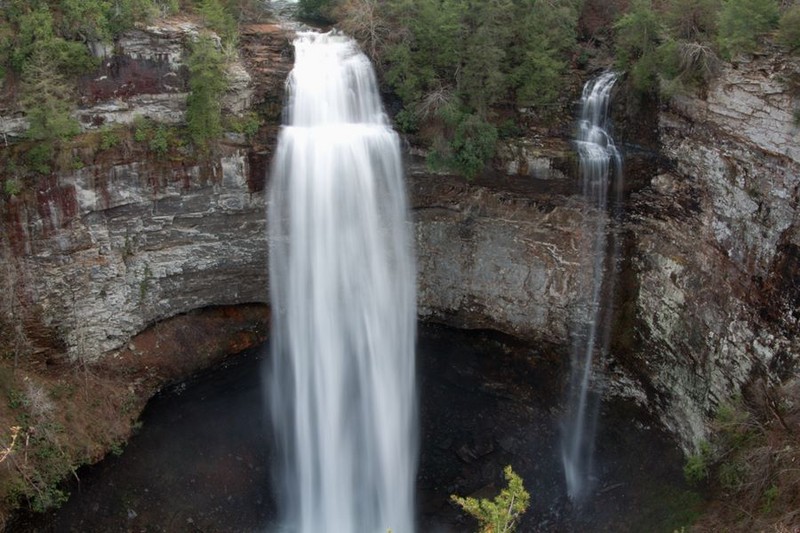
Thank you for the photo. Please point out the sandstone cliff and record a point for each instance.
(708, 273)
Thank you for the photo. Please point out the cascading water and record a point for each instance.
(343, 294)
(599, 163)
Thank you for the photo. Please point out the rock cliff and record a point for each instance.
(708, 274)
(94, 256)
(715, 253)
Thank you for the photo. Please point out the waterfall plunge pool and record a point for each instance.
(202, 458)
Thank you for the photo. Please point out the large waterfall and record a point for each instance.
(600, 162)
(343, 295)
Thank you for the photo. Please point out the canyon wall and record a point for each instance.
(95, 255)
(715, 250)
(707, 293)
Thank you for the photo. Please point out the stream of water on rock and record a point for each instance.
(342, 381)
(600, 162)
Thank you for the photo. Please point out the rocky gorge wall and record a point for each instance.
(708, 296)
(715, 250)
(96, 255)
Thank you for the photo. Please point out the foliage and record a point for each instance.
(219, 19)
(108, 138)
(502, 514)
(466, 143)
(467, 57)
(789, 34)
(12, 187)
(160, 142)
(319, 10)
(638, 36)
(247, 125)
(755, 452)
(692, 20)
(365, 21)
(207, 85)
(39, 157)
(46, 98)
(671, 50)
(742, 21)
(696, 469)
(142, 128)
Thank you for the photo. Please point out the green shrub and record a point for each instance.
(697, 467)
(742, 21)
(247, 125)
(473, 145)
(789, 34)
(12, 187)
(503, 513)
(692, 20)
(142, 128)
(46, 99)
(406, 121)
(319, 10)
(39, 158)
(160, 142)
(108, 138)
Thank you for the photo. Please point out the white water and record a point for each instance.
(343, 296)
(599, 163)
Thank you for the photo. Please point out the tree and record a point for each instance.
(124, 14)
(789, 34)
(85, 20)
(206, 87)
(742, 21)
(220, 20)
(46, 99)
(545, 35)
(692, 20)
(638, 36)
(315, 9)
(364, 21)
(502, 514)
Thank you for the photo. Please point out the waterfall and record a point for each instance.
(342, 382)
(599, 163)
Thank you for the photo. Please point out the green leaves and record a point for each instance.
(502, 514)
(789, 34)
(220, 20)
(207, 85)
(472, 56)
(46, 98)
(742, 21)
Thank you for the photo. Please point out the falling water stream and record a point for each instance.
(599, 163)
(342, 287)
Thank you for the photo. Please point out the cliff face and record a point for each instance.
(107, 251)
(708, 276)
(706, 297)
(94, 256)
(716, 245)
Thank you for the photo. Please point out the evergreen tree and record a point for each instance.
(742, 21)
(46, 99)
(206, 85)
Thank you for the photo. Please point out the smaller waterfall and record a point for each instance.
(599, 163)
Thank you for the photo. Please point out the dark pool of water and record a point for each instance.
(201, 461)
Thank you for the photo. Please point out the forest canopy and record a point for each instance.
(455, 63)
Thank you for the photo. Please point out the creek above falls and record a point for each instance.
(202, 458)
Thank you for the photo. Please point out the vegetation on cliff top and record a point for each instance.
(466, 71)
(46, 50)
